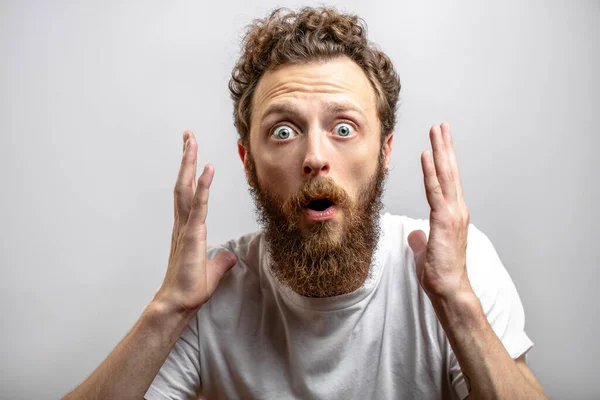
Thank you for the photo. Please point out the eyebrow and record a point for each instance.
(329, 106)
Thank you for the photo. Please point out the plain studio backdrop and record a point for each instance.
(95, 97)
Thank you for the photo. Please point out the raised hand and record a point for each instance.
(191, 279)
(441, 259)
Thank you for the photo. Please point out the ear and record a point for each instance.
(243, 153)
(387, 150)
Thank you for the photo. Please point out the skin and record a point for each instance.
(315, 148)
(440, 261)
(191, 279)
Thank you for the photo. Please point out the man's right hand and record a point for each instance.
(191, 279)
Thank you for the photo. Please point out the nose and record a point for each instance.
(316, 161)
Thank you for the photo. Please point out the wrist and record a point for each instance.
(164, 318)
(171, 303)
(461, 312)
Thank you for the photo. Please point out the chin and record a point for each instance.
(324, 236)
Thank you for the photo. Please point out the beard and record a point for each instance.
(326, 258)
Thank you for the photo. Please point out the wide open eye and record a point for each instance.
(344, 129)
(283, 132)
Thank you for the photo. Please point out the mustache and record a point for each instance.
(320, 188)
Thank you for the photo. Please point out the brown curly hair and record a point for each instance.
(288, 37)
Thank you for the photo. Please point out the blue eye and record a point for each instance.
(343, 129)
(283, 132)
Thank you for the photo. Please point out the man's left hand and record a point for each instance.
(441, 258)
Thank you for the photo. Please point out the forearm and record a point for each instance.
(489, 370)
(131, 367)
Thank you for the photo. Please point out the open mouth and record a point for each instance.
(319, 210)
(319, 204)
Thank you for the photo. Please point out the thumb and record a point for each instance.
(417, 240)
(216, 268)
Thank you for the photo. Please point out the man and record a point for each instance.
(330, 299)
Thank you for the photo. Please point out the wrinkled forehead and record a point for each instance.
(323, 86)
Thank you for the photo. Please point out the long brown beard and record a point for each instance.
(321, 261)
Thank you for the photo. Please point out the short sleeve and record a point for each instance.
(499, 299)
(179, 377)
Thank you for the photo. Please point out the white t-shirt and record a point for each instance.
(258, 339)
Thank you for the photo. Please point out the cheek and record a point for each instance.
(361, 174)
(359, 171)
(278, 174)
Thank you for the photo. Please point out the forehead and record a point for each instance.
(321, 84)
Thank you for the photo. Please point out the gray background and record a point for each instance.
(95, 98)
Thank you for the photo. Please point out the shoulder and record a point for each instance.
(393, 248)
(483, 262)
(240, 284)
(402, 225)
(396, 228)
(247, 248)
(250, 254)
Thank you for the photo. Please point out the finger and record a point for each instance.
(433, 190)
(194, 148)
(197, 218)
(216, 268)
(442, 165)
(186, 135)
(417, 240)
(449, 143)
(189, 135)
(186, 179)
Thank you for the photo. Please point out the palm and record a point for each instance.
(191, 279)
(440, 258)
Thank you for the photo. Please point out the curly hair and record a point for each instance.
(311, 34)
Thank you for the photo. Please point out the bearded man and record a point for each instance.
(330, 299)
